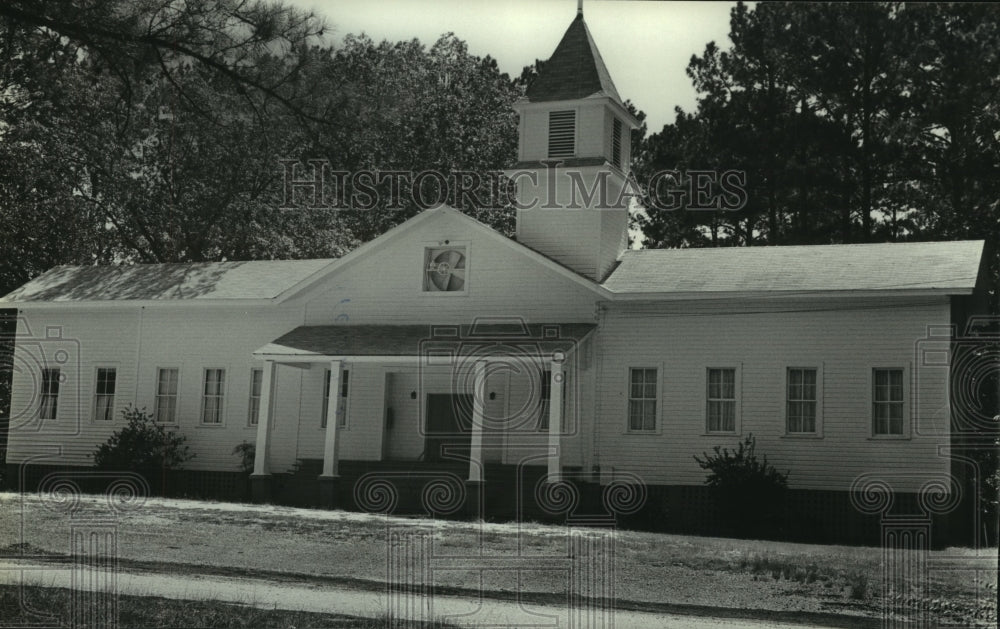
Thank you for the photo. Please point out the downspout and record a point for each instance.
(138, 360)
(595, 450)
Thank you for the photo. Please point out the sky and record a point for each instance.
(646, 45)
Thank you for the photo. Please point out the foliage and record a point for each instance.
(234, 40)
(177, 157)
(247, 452)
(853, 123)
(142, 445)
(750, 491)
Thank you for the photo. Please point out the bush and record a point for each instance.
(142, 446)
(750, 492)
(247, 452)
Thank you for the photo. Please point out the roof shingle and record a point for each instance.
(947, 266)
(261, 279)
(575, 70)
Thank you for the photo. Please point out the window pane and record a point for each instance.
(881, 378)
(104, 407)
(729, 409)
(728, 384)
(167, 382)
(649, 420)
(642, 399)
(634, 415)
(105, 381)
(714, 416)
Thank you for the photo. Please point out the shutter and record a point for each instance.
(616, 143)
(562, 133)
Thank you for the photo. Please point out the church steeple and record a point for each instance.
(575, 69)
(574, 137)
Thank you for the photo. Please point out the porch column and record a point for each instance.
(260, 480)
(555, 418)
(333, 411)
(478, 414)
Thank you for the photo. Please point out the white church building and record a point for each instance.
(445, 350)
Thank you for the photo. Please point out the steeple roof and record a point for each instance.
(574, 71)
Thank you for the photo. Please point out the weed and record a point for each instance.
(858, 585)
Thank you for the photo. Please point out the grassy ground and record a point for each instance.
(682, 572)
(27, 605)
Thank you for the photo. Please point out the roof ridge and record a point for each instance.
(832, 244)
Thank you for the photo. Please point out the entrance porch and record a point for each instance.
(458, 406)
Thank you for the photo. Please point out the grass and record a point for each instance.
(351, 550)
(807, 572)
(32, 605)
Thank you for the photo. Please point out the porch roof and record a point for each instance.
(317, 341)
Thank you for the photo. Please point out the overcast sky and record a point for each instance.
(646, 45)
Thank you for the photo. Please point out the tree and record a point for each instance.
(234, 39)
(415, 109)
(873, 121)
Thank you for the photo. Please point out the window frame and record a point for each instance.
(97, 382)
(576, 133)
(425, 253)
(222, 397)
(46, 393)
(817, 433)
(253, 404)
(157, 395)
(906, 420)
(657, 400)
(345, 396)
(737, 399)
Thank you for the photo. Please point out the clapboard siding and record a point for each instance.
(386, 287)
(583, 236)
(590, 131)
(138, 341)
(845, 341)
(72, 437)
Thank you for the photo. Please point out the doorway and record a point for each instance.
(448, 426)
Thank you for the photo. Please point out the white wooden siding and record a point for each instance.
(585, 237)
(846, 338)
(190, 340)
(387, 286)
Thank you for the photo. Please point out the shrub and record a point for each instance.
(247, 452)
(750, 491)
(142, 446)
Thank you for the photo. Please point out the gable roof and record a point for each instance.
(261, 279)
(575, 70)
(949, 267)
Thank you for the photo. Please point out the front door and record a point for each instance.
(449, 424)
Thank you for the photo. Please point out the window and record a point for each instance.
(165, 409)
(50, 393)
(256, 382)
(887, 401)
(721, 400)
(444, 270)
(562, 134)
(344, 385)
(104, 394)
(616, 143)
(213, 396)
(642, 399)
(800, 403)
